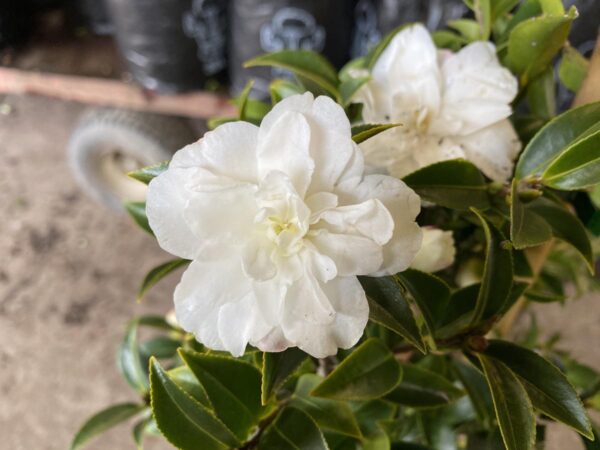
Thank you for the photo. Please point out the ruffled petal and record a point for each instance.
(352, 255)
(404, 206)
(342, 330)
(437, 251)
(228, 151)
(284, 147)
(165, 204)
(433, 150)
(205, 287)
(493, 149)
(223, 216)
(478, 91)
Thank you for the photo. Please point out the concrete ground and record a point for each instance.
(69, 270)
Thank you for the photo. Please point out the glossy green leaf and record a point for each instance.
(422, 388)
(483, 14)
(103, 421)
(548, 388)
(293, 430)
(146, 174)
(512, 405)
(363, 132)
(129, 360)
(160, 347)
(183, 377)
(370, 416)
(501, 7)
(566, 226)
(430, 293)
(370, 372)
(533, 43)
(242, 100)
(183, 421)
(448, 39)
(233, 387)
(554, 7)
(331, 415)
(478, 391)
(556, 138)
(139, 430)
(158, 273)
(137, 211)
(350, 87)
(280, 89)
(592, 445)
(577, 167)
(460, 311)
(527, 228)
(541, 95)
(277, 369)
(304, 63)
(388, 307)
(573, 68)
(455, 183)
(497, 278)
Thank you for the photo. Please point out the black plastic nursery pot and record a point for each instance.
(261, 26)
(171, 46)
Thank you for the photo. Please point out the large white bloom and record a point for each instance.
(451, 105)
(278, 222)
(437, 250)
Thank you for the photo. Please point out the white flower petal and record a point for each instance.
(493, 149)
(240, 323)
(477, 91)
(225, 216)
(404, 206)
(437, 251)
(229, 150)
(284, 147)
(275, 341)
(349, 301)
(407, 70)
(369, 218)
(256, 259)
(433, 150)
(319, 203)
(353, 255)
(204, 288)
(165, 205)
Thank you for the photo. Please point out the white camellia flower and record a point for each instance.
(278, 222)
(450, 105)
(437, 250)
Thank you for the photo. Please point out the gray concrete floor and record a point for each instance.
(69, 270)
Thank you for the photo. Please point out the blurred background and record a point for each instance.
(91, 89)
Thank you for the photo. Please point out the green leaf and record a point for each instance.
(502, 7)
(469, 29)
(139, 430)
(158, 273)
(541, 95)
(578, 166)
(556, 138)
(277, 369)
(592, 445)
(448, 39)
(533, 43)
(146, 174)
(242, 100)
(527, 229)
(554, 7)
(129, 360)
(361, 133)
(137, 211)
(233, 387)
(483, 14)
(429, 292)
(331, 415)
(293, 430)
(497, 278)
(183, 377)
(422, 388)
(160, 347)
(388, 307)
(511, 403)
(548, 388)
(215, 122)
(103, 421)
(183, 421)
(573, 68)
(455, 183)
(350, 86)
(304, 63)
(566, 226)
(478, 391)
(370, 372)
(280, 89)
